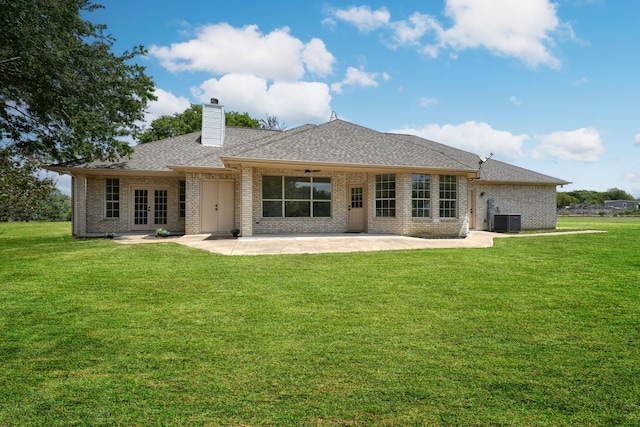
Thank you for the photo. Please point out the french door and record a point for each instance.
(149, 208)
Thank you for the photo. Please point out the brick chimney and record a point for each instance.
(213, 124)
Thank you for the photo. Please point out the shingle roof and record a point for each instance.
(492, 170)
(343, 142)
(334, 142)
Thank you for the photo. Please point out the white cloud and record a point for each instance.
(476, 137)
(330, 23)
(292, 102)
(516, 29)
(364, 18)
(317, 58)
(515, 101)
(252, 72)
(428, 102)
(166, 105)
(636, 139)
(355, 77)
(523, 29)
(410, 32)
(632, 176)
(222, 49)
(184, 27)
(633, 182)
(582, 145)
(581, 82)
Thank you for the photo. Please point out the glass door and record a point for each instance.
(356, 208)
(141, 209)
(149, 214)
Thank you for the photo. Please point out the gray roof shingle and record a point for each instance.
(334, 142)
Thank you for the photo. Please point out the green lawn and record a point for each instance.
(536, 331)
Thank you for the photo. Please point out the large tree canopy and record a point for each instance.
(25, 196)
(190, 120)
(63, 94)
(22, 192)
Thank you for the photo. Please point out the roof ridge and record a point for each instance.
(410, 139)
(273, 139)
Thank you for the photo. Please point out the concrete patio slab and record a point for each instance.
(326, 243)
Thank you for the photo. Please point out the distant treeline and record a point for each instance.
(588, 197)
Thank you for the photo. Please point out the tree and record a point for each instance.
(190, 120)
(617, 194)
(244, 120)
(588, 197)
(56, 207)
(564, 199)
(22, 192)
(63, 94)
(272, 123)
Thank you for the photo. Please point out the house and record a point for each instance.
(330, 178)
(621, 204)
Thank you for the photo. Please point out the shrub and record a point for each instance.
(162, 233)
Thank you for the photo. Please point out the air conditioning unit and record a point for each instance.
(507, 223)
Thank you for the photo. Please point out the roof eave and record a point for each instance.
(297, 164)
(74, 171)
(185, 169)
(494, 182)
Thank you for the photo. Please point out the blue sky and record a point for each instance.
(549, 86)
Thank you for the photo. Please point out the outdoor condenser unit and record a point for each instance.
(507, 223)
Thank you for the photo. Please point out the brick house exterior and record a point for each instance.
(330, 178)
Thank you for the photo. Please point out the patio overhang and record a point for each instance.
(238, 163)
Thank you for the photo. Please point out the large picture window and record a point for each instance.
(448, 196)
(420, 195)
(296, 197)
(112, 198)
(386, 195)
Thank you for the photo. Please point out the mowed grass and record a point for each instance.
(536, 331)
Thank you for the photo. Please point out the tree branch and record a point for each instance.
(15, 58)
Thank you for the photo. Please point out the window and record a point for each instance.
(296, 197)
(420, 195)
(356, 197)
(386, 195)
(183, 199)
(448, 196)
(112, 198)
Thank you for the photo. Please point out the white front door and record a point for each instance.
(217, 207)
(356, 208)
(471, 202)
(149, 208)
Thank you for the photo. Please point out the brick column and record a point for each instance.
(246, 184)
(192, 214)
(403, 202)
(463, 204)
(435, 198)
(79, 205)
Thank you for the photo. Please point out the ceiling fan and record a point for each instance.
(308, 170)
